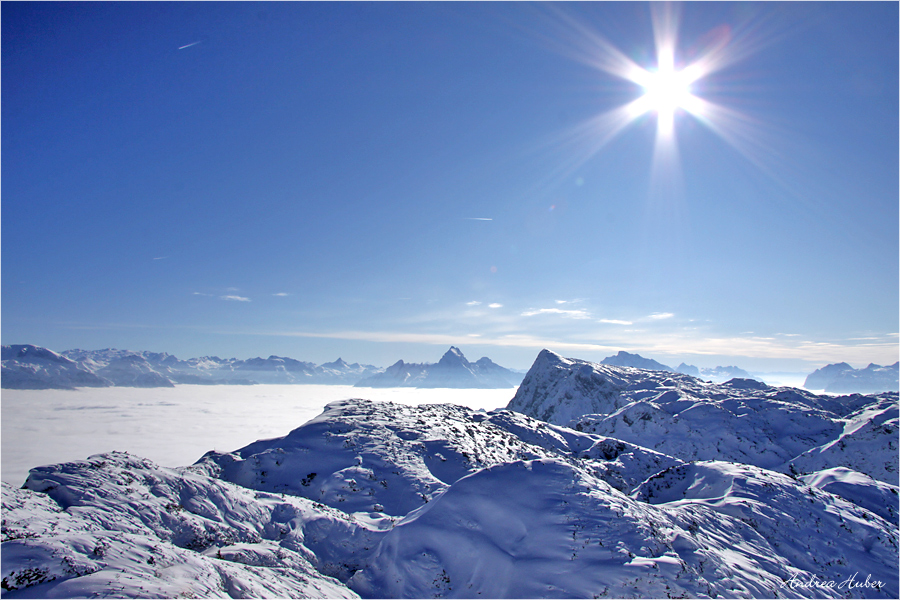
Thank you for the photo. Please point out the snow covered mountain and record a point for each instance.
(820, 378)
(341, 372)
(29, 367)
(841, 378)
(717, 374)
(384, 500)
(742, 420)
(40, 368)
(452, 371)
(625, 359)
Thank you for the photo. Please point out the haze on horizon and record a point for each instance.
(380, 181)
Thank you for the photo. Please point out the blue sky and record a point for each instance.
(379, 181)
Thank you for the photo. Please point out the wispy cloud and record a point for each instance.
(513, 340)
(495, 305)
(646, 343)
(160, 257)
(201, 294)
(473, 303)
(571, 314)
(477, 219)
(281, 294)
(659, 316)
(616, 322)
(235, 298)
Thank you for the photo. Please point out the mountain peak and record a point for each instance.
(340, 363)
(453, 356)
(452, 371)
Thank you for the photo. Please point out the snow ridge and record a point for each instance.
(745, 421)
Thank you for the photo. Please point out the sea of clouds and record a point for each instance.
(176, 426)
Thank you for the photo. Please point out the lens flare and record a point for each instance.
(671, 91)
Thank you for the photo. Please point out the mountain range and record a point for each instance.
(452, 371)
(717, 374)
(596, 481)
(32, 367)
(841, 378)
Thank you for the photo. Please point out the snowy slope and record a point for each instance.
(376, 456)
(120, 525)
(546, 528)
(742, 420)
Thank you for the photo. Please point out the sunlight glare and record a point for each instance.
(666, 90)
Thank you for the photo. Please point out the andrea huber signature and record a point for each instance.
(850, 583)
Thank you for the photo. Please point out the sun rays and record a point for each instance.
(670, 90)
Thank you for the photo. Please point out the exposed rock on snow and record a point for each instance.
(452, 371)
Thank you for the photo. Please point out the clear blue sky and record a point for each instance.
(379, 181)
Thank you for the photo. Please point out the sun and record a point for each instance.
(666, 90)
(674, 88)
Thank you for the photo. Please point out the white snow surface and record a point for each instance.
(121, 526)
(384, 499)
(741, 420)
(176, 426)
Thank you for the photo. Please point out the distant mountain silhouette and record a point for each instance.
(841, 378)
(625, 359)
(452, 371)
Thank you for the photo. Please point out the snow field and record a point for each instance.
(176, 426)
